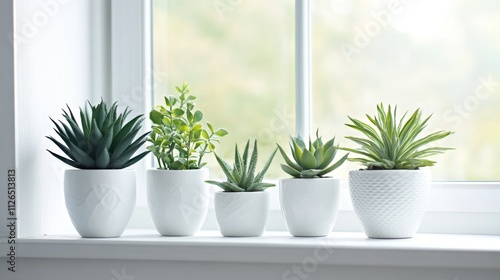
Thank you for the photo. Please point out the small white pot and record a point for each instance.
(390, 203)
(178, 200)
(242, 214)
(100, 202)
(310, 206)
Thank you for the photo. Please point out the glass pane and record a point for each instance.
(441, 56)
(237, 57)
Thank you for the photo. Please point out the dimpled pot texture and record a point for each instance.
(310, 206)
(100, 202)
(242, 214)
(178, 200)
(390, 203)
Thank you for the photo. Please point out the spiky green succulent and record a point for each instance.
(393, 144)
(241, 176)
(313, 161)
(103, 141)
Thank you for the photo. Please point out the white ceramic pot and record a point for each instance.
(310, 206)
(100, 202)
(178, 200)
(390, 203)
(242, 214)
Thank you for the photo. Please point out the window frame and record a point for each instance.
(446, 202)
(445, 198)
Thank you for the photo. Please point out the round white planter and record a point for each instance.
(100, 202)
(390, 203)
(310, 206)
(242, 214)
(178, 200)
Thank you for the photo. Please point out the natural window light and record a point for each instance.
(241, 69)
(437, 56)
(255, 69)
(441, 56)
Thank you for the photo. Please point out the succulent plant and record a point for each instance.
(178, 138)
(313, 161)
(241, 176)
(393, 144)
(104, 140)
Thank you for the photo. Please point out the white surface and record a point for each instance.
(242, 213)
(7, 161)
(310, 206)
(178, 200)
(275, 255)
(390, 203)
(424, 250)
(100, 202)
(67, 52)
(98, 269)
(54, 64)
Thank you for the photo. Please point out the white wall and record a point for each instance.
(7, 152)
(69, 51)
(58, 57)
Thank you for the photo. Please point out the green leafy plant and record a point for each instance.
(392, 144)
(178, 138)
(241, 177)
(104, 140)
(313, 161)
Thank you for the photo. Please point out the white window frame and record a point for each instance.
(455, 207)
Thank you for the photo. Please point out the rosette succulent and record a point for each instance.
(314, 160)
(103, 140)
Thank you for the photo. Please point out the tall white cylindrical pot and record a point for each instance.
(178, 200)
(390, 203)
(310, 206)
(100, 202)
(242, 214)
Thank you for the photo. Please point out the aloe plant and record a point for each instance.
(104, 140)
(394, 144)
(312, 161)
(178, 138)
(241, 176)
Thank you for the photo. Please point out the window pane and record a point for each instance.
(237, 57)
(441, 56)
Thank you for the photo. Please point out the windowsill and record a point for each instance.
(340, 248)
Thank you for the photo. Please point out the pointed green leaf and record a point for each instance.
(261, 174)
(221, 132)
(287, 159)
(308, 160)
(334, 166)
(292, 172)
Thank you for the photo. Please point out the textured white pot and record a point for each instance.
(178, 200)
(100, 202)
(390, 203)
(310, 206)
(241, 214)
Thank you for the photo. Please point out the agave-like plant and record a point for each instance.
(392, 144)
(104, 140)
(312, 161)
(241, 177)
